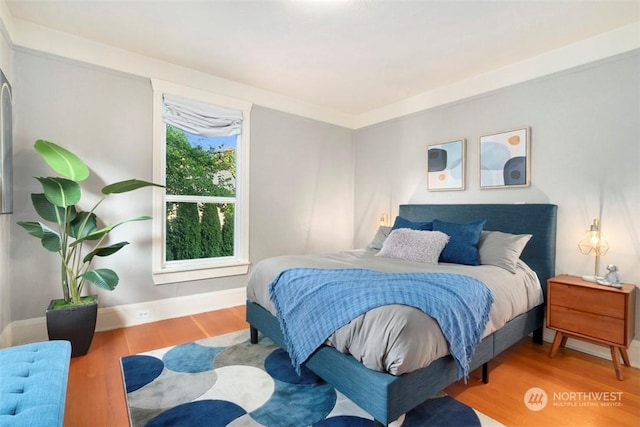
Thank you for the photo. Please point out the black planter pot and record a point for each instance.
(76, 324)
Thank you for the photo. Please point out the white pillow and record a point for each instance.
(502, 249)
(414, 245)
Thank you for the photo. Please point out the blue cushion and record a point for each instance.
(405, 223)
(463, 241)
(33, 384)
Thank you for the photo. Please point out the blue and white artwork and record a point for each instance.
(505, 159)
(446, 166)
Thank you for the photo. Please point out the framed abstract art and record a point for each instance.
(505, 159)
(446, 165)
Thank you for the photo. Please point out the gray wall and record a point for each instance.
(301, 178)
(585, 158)
(6, 64)
(301, 185)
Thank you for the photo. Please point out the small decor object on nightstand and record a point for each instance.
(613, 276)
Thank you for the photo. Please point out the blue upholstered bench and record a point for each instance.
(33, 384)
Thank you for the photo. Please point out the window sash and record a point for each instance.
(199, 199)
(178, 271)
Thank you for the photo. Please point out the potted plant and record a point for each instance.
(77, 236)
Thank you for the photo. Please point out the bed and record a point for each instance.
(387, 395)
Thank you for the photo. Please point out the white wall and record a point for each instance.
(585, 158)
(301, 178)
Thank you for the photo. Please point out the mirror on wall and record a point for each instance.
(6, 144)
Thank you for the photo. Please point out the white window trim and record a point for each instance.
(198, 269)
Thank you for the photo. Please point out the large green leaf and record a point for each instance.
(104, 251)
(33, 228)
(95, 235)
(62, 161)
(128, 185)
(51, 212)
(49, 238)
(83, 225)
(103, 278)
(61, 192)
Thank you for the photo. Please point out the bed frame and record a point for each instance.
(386, 397)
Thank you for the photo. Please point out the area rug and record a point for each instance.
(226, 381)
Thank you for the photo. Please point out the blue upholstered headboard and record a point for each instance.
(538, 220)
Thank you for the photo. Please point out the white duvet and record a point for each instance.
(397, 338)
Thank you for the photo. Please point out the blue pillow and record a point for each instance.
(463, 241)
(405, 223)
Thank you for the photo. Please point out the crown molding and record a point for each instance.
(32, 37)
(605, 45)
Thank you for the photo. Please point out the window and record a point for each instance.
(201, 153)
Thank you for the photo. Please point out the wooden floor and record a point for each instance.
(581, 390)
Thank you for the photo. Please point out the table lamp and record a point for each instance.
(593, 244)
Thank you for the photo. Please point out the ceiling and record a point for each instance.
(351, 56)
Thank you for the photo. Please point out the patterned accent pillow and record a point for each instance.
(414, 245)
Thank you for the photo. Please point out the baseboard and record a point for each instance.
(26, 331)
(597, 350)
(136, 314)
(6, 337)
(35, 329)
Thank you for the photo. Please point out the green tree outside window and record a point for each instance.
(202, 229)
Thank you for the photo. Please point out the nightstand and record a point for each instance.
(591, 312)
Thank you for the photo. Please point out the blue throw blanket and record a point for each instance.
(313, 303)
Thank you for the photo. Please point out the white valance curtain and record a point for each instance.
(200, 118)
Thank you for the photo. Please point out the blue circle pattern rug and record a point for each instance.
(226, 381)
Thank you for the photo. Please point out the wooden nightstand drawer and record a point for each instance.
(592, 312)
(588, 300)
(590, 325)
